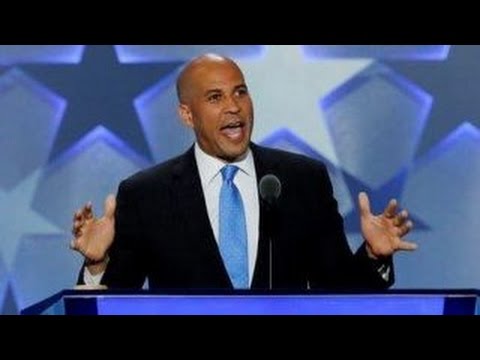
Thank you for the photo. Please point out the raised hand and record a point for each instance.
(383, 233)
(94, 236)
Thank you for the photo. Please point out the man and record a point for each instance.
(197, 221)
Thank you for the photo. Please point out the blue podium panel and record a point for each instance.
(266, 305)
(388, 303)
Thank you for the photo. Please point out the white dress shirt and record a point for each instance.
(209, 168)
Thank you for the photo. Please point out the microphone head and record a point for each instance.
(270, 188)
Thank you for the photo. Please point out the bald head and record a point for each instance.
(215, 103)
(186, 79)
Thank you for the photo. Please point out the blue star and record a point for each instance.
(100, 91)
(10, 304)
(15, 205)
(284, 139)
(289, 85)
(4, 280)
(379, 198)
(443, 185)
(454, 83)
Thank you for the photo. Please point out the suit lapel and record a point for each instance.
(263, 166)
(189, 191)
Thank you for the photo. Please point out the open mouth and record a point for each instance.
(234, 130)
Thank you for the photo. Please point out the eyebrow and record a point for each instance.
(212, 91)
(216, 90)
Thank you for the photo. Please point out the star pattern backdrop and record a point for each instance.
(395, 121)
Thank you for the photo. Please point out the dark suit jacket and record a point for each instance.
(162, 231)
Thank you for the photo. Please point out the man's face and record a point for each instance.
(219, 109)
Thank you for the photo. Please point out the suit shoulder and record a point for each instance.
(156, 174)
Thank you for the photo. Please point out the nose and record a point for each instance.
(232, 105)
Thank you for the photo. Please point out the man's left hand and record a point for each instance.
(383, 233)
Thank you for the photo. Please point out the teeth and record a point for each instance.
(234, 125)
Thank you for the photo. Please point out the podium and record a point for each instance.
(392, 302)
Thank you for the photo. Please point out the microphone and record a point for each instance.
(270, 189)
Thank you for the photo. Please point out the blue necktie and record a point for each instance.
(233, 230)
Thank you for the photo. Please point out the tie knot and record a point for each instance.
(228, 172)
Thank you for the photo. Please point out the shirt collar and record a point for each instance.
(209, 166)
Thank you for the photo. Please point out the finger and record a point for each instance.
(77, 215)
(391, 209)
(89, 210)
(77, 225)
(74, 230)
(401, 218)
(364, 204)
(407, 245)
(84, 212)
(110, 204)
(405, 228)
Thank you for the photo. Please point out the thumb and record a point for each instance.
(110, 204)
(364, 204)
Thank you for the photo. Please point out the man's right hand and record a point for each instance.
(94, 236)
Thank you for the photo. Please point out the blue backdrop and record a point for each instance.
(395, 121)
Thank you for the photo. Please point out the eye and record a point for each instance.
(242, 92)
(214, 98)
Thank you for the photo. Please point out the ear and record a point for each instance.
(185, 114)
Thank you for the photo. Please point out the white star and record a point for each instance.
(18, 218)
(287, 87)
